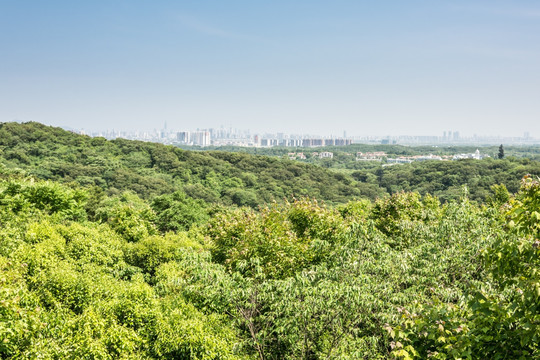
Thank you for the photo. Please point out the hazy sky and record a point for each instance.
(320, 67)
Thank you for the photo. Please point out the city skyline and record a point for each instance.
(446, 133)
(387, 68)
(242, 137)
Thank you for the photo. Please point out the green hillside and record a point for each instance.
(130, 250)
(150, 169)
(220, 177)
(446, 179)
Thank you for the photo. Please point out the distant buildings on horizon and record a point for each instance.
(235, 137)
(381, 156)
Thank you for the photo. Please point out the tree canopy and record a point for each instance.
(92, 271)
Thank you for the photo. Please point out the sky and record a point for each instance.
(370, 68)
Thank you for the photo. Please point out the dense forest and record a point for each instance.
(129, 250)
(346, 154)
(445, 179)
(238, 178)
(150, 169)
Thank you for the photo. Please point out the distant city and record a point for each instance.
(244, 138)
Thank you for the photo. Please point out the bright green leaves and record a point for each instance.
(19, 315)
(500, 195)
(498, 317)
(80, 290)
(438, 331)
(285, 238)
(514, 262)
(128, 215)
(177, 212)
(525, 208)
(178, 278)
(397, 214)
(151, 252)
(48, 197)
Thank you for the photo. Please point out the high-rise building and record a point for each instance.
(183, 137)
(201, 138)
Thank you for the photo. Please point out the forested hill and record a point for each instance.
(86, 274)
(446, 179)
(151, 169)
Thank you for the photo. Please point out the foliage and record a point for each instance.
(176, 212)
(244, 177)
(390, 213)
(128, 215)
(151, 170)
(445, 179)
(46, 197)
(131, 263)
(499, 317)
(77, 290)
(285, 238)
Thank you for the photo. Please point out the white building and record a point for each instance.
(476, 155)
(201, 138)
(326, 155)
(183, 137)
(399, 160)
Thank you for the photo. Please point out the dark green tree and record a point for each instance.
(501, 152)
(177, 212)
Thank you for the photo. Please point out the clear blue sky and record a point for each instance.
(367, 67)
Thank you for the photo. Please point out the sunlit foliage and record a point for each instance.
(97, 272)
